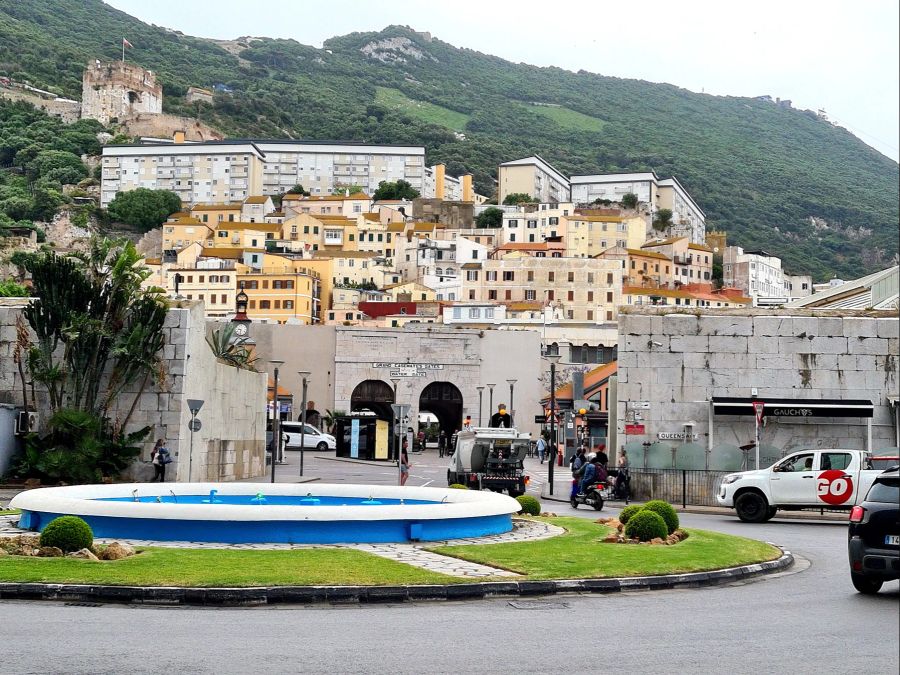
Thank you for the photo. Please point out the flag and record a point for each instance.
(126, 43)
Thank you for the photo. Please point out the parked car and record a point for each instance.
(312, 437)
(873, 542)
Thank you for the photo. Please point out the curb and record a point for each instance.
(233, 597)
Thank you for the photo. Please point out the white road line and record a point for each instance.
(426, 484)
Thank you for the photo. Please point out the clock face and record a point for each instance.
(240, 330)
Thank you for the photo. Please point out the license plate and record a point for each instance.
(892, 539)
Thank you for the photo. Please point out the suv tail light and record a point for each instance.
(857, 514)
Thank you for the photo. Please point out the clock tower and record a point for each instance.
(241, 320)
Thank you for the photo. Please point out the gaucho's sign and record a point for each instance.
(794, 408)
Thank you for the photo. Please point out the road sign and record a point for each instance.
(401, 410)
(639, 405)
(195, 425)
(634, 429)
(540, 419)
(758, 408)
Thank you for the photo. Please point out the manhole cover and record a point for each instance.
(538, 604)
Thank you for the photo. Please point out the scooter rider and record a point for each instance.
(592, 472)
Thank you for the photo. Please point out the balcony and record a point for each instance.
(683, 259)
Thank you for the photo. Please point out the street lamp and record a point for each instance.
(491, 397)
(480, 400)
(553, 359)
(276, 419)
(397, 446)
(194, 405)
(304, 374)
(512, 405)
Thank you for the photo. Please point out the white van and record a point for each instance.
(312, 437)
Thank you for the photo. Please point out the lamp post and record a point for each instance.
(491, 398)
(480, 403)
(397, 443)
(512, 404)
(276, 420)
(553, 359)
(304, 374)
(194, 405)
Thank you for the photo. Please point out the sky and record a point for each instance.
(834, 55)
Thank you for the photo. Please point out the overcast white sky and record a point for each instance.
(840, 56)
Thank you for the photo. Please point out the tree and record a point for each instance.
(297, 190)
(144, 208)
(662, 220)
(400, 189)
(346, 188)
(59, 162)
(514, 198)
(629, 200)
(490, 217)
(97, 331)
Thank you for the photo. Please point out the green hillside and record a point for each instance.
(761, 172)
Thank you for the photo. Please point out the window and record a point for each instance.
(264, 304)
(474, 255)
(252, 304)
(457, 312)
(489, 313)
(530, 294)
(471, 275)
(492, 294)
(590, 296)
(550, 295)
(513, 223)
(512, 236)
(835, 460)
(590, 279)
(471, 294)
(571, 277)
(570, 296)
(490, 276)
(798, 463)
(532, 224)
(609, 279)
(222, 299)
(551, 276)
(474, 313)
(265, 283)
(508, 295)
(222, 234)
(609, 296)
(609, 315)
(590, 315)
(530, 275)
(570, 314)
(278, 304)
(509, 276)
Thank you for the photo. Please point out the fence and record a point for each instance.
(677, 486)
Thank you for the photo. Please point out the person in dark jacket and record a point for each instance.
(501, 418)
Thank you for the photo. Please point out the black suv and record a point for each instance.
(874, 537)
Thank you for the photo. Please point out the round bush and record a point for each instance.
(458, 486)
(664, 509)
(626, 513)
(529, 504)
(69, 533)
(646, 525)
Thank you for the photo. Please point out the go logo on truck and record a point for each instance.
(834, 487)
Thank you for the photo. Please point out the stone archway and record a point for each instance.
(374, 395)
(444, 401)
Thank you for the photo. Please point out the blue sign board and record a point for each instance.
(354, 438)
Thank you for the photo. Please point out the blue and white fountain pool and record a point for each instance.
(240, 513)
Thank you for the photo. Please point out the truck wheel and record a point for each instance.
(515, 493)
(770, 512)
(752, 507)
(864, 584)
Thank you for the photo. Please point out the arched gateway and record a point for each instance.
(445, 401)
(374, 395)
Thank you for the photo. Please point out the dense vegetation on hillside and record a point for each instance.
(760, 171)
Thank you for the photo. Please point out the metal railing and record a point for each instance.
(677, 486)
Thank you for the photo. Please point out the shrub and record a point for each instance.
(529, 504)
(69, 533)
(459, 486)
(646, 525)
(626, 513)
(665, 510)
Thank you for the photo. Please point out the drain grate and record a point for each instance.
(84, 604)
(538, 604)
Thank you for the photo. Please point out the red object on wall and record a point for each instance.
(376, 310)
(634, 429)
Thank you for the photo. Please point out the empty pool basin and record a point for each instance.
(271, 513)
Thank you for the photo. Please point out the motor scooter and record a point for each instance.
(592, 496)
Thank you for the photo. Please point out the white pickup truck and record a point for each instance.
(826, 479)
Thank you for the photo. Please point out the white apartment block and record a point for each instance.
(757, 274)
(533, 176)
(688, 217)
(222, 171)
(533, 223)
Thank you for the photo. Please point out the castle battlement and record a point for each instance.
(118, 90)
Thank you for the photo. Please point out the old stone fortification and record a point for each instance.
(231, 443)
(672, 362)
(69, 111)
(164, 125)
(118, 90)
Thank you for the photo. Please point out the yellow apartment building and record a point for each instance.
(288, 294)
(246, 235)
(408, 291)
(691, 263)
(349, 268)
(577, 289)
(214, 213)
(349, 206)
(177, 234)
(588, 235)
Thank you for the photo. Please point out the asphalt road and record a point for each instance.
(806, 620)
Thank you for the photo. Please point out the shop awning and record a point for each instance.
(794, 407)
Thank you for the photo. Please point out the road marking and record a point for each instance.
(426, 484)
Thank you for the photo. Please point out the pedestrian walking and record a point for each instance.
(442, 443)
(159, 457)
(541, 447)
(404, 466)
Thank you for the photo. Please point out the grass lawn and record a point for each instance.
(9, 512)
(580, 553)
(569, 119)
(427, 112)
(210, 567)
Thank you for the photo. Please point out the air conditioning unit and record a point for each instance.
(26, 422)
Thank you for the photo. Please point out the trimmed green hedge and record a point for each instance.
(646, 525)
(69, 533)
